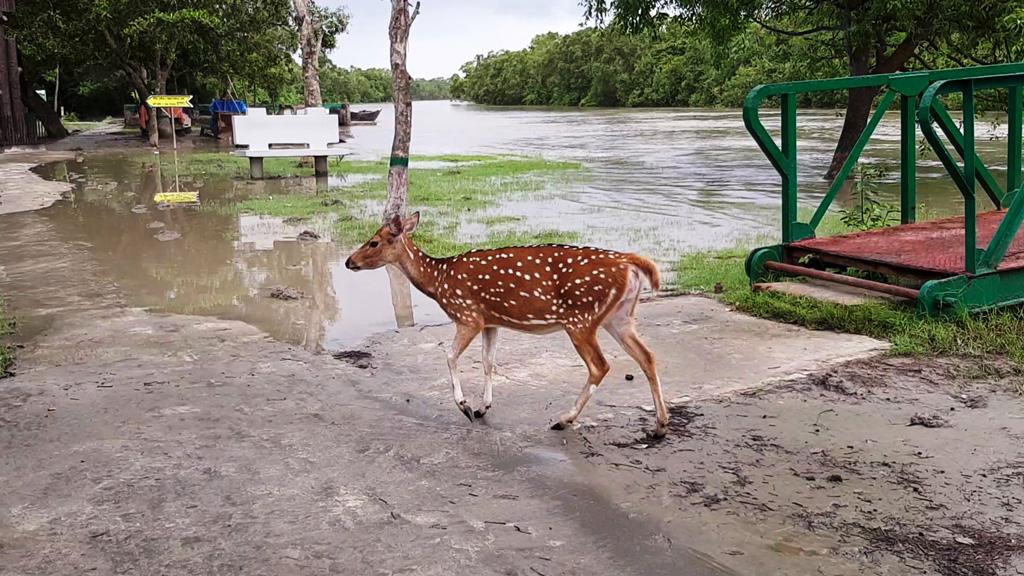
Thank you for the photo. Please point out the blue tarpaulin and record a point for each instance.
(224, 106)
(229, 106)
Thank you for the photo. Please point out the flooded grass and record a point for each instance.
(995, 332)
(447, 197)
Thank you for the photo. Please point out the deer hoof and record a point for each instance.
(464, 407)
(480, 413)
(559, 425)
(660, 430)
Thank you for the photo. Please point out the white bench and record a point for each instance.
(311, 132)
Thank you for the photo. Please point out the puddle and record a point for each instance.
(194, 259)
(652, 188)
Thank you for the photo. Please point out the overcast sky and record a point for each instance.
(448, 33)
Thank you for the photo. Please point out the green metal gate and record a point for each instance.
(918, 258)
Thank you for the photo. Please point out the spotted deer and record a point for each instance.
(534, 289)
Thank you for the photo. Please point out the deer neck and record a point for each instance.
(423, 271)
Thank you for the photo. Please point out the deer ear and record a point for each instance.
(395, 225)
(409, 226)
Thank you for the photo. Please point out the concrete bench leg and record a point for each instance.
(320, 165)
(256, 168)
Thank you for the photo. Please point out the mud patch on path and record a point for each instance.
(824, 476)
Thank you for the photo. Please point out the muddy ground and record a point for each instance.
(158, 444)
(141, 443)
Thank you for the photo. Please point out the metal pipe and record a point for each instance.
(899, 291)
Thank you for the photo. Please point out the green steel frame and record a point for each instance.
(982, 285)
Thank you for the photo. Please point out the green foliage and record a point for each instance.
(869, 212)
(431, 89)
(712, 52)
(675, 66)
(996, 332)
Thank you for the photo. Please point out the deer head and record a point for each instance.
(386, 246)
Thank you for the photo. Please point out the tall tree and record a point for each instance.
(871, 36)
(145, 40)
(402, 18)
(318, 31)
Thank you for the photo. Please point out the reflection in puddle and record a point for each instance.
(674, 181)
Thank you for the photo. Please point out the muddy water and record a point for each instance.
(659, 182)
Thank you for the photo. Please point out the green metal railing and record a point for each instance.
(919, 94)
(932, 112)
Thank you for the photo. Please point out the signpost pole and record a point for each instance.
(168, 103)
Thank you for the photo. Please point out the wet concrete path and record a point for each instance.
(148, 444)
(141, 443)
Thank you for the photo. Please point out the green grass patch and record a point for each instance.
(448, 196)
(500, 220)
(6, 350)
(996, 332)
(226, 165)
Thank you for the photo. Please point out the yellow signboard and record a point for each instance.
(166, 101)
(176, 198)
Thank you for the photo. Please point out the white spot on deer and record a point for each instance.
(459, 292)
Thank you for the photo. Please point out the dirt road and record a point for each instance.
(144, 444)
(140, 443)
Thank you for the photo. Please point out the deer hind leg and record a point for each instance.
(622, 327)
(588, 348)
(490, 336)
(464, 334)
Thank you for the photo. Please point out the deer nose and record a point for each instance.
(350, 264)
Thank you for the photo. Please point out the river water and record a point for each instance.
(657, 181)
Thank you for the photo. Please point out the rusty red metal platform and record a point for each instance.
(924, 250)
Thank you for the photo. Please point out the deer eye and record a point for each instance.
(374, 243)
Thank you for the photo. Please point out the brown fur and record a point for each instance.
(534, 289)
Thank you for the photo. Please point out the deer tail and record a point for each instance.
(650, 269)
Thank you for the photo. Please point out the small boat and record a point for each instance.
(365, 115)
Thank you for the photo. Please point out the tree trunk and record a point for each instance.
(309, 43)
(858, 105)
(398, 173)
(858, 110)
(45, 114)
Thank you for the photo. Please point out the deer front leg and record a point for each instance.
(589, 349)
(490, 336)
(464, 334)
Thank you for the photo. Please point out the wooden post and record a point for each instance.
(255, 167)
(320, 165)
(14, 87)
(6, 113)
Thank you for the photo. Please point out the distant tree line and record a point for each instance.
(675, 66)
(102, 55)
(374, 85)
